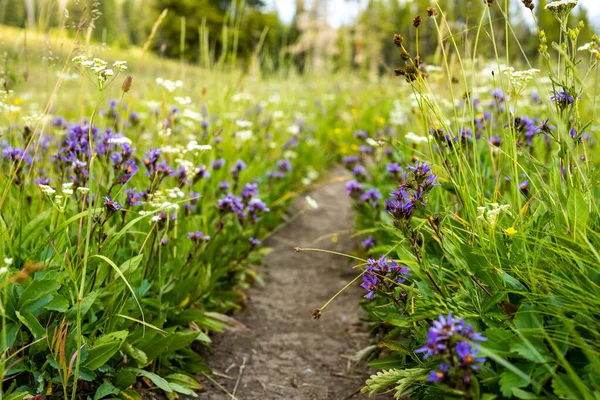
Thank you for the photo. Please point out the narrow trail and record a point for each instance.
(285, 354)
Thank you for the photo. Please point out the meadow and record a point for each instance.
(137, 192)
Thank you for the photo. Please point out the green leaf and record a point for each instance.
(522, 394)
(106, 389)
(175, 387)
(157, 380)
(124, 379)
(132, 264)
(10, 331)
(509, 380)
(118, 271)
(35, 291)
(387, 362)
(86, 304)
(578, 210)
(104, 348)
(532, 349)
(58, 303)
(564, 387)
(32, 324)
(184, 380)
(139, 356)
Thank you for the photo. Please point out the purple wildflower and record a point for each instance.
(250, 190)
(111, 205)
(441, 375)
(354, 189)
(369, 284)
(218, 164)
(468, 355)
(368, 243)
(433, 346)
(198, 236)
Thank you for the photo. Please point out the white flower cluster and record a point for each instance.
(414, 138)
(97, 69)
(561, 8)
(120, 140)
(169, 85)
(491, 215)
(520, 79)
(311, 176)
(591, 47)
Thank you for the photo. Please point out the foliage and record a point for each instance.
(507, 239)
(121, 249)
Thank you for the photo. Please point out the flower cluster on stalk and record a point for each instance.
(411, 193)
(380, 273)
(456, 345)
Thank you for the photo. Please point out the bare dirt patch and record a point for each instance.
(285, 354)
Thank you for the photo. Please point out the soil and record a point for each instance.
(284, 353)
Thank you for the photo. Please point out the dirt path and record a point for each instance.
(284, 353)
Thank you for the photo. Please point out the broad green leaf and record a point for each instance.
(10, 332)
(32, 324)
(36, 290)
(58, 303)
(106, 389)
(132, 264)
(579, 213)
(184, 380)
(509, 380)
(118, 271)
(157, 380)
(104, 348)
(522, 394)
(176, 387)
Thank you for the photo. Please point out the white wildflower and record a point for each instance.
(172, 149)
(242, 123)
(169, 85)
(240, 97)
(373, 143)
(8, 261)
(289, 154)
(46, 189)
(4, 270)
(244, 135)
(83, 190)
(183, 100)
(193, 115)
(413, 137)
(591, 47)
(120, 140)
(194, 146)
(311, 202)
(120, 65)
(293, 129)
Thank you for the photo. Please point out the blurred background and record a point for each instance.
(307, 35)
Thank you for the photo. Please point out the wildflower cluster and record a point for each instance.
(415, 184)
(454, 343)
(380, 273)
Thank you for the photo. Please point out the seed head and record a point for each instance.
(398, 39)
(317, 313)
(489, 2)
(404, 54)
(528, 4)
(127, 84)
(417, 21)
(432, 12)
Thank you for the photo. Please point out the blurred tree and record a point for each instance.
(12, 12)
(234, 28)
